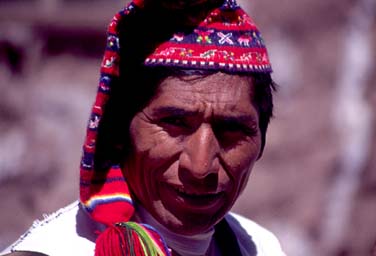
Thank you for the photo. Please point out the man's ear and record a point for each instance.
(25, 253)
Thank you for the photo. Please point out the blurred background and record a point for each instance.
(315, 186)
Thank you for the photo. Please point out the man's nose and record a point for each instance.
(201, 153)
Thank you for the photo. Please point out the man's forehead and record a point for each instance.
(192, 76)
(213, 84)
(220, 94)
(245, 117)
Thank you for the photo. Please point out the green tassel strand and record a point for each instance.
(149, 247)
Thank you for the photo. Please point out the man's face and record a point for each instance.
(194, 146)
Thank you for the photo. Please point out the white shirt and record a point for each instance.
(70, 231)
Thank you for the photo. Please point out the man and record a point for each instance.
(179, 120)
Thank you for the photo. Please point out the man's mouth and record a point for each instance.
(194, 199)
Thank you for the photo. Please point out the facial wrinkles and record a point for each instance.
(208, 99)
(151, 150)
(159, 146)
(205, 99)
(207, 103)
(145, 125)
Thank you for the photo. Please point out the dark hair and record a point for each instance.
(136, 87)
(263, 100)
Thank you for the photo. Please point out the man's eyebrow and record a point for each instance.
(243, 119)
(176, 111)
(170, 110)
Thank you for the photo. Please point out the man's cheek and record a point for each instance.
(244, 180)
(237, 161)
(165, 147)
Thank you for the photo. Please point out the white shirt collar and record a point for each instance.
(195, 245)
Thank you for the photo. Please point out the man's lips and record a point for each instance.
(194, 199)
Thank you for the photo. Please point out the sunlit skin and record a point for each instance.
(194, 146)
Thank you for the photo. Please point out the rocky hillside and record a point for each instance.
(315, 186)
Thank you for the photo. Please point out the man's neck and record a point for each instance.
(181, 245)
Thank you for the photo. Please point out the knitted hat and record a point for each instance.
(226, 40)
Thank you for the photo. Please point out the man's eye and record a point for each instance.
(230, 134)
(233, 127)
(174, 121)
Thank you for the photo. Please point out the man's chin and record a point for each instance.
(191, 224)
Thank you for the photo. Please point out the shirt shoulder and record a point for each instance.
(253, 239)
(69, 231)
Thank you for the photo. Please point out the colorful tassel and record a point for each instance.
(130, 239)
